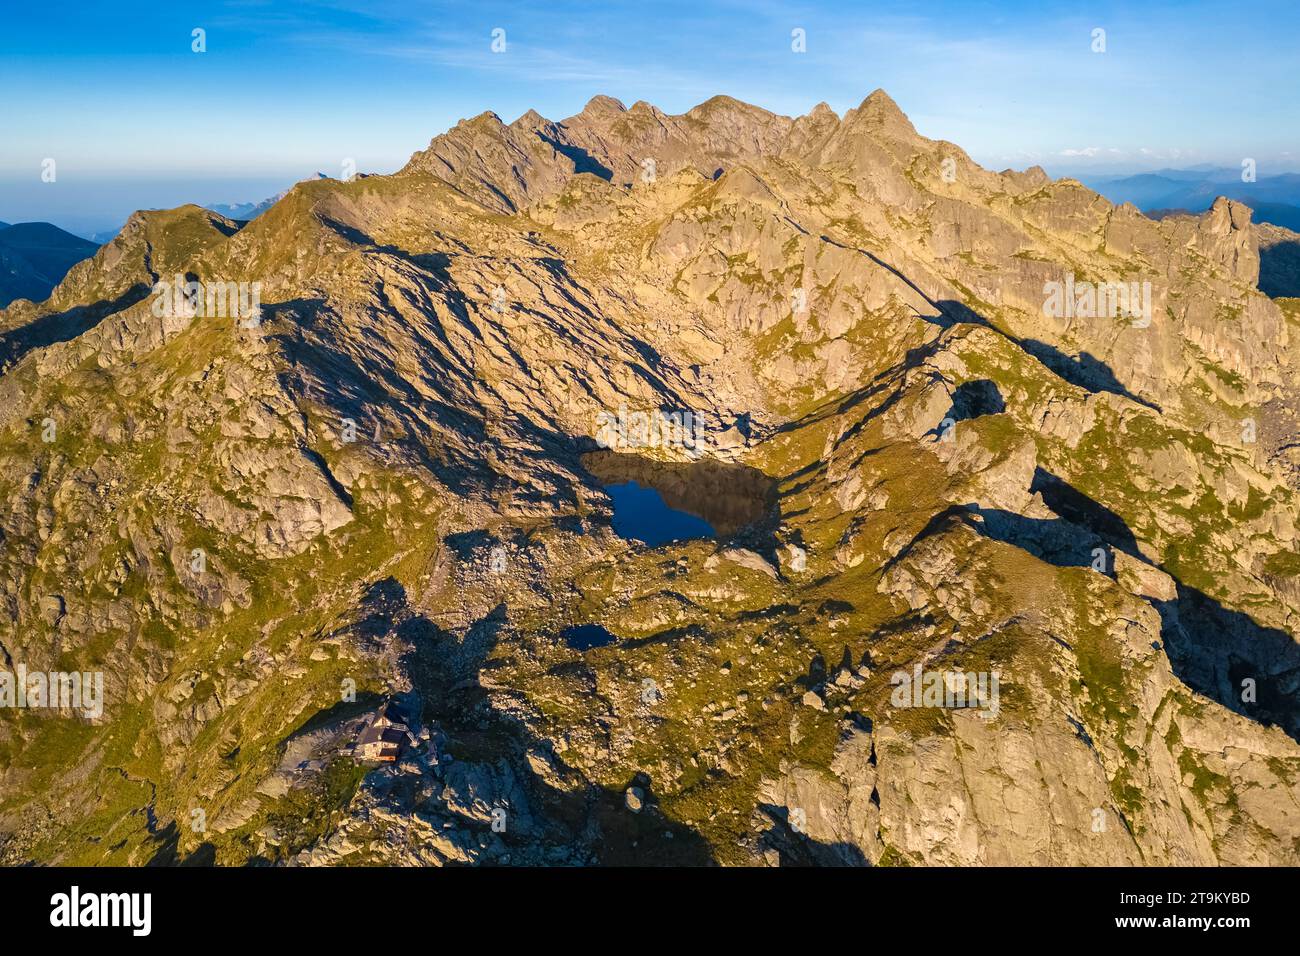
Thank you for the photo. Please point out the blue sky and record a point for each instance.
(133, 117)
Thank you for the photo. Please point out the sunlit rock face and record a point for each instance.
(1001, 480)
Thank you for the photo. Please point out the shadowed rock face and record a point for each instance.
(1279, 261)
(382, 487)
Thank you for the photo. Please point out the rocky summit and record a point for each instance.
(362, 514)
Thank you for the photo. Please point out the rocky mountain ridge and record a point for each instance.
(386, 477)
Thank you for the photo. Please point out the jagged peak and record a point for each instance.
(530, 120)
(728, 108)
(722, 101)
(880, 111)
(1226, 214)
(881, 102)
(641, 106)
(486, 118)
(1035, 177)
(600, 103)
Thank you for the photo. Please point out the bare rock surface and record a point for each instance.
(830, 337)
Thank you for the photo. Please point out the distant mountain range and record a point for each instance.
(34, 258)
(1274, 199)
(247, 210)
(251, 210)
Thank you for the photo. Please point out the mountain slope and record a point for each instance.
(390, 483)
(34, 258)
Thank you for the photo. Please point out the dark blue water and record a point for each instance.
(582, 637)
(640, 514)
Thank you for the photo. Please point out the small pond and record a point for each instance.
(583, 637)
(657, 502)
(640, 514)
